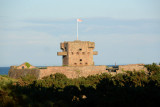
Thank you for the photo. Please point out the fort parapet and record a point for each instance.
(70, 72)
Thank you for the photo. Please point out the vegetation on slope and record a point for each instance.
(128, 89)
(27, 64)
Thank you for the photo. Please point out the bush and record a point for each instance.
(153, 68)
(127, 89)
(27, 64)
(59, 76)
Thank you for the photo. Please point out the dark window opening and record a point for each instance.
(75, 63)
(80, 59)
(65, 49)
(80, 49)
(64, 57)
(72, 53)
(86, 63)
(22, 67)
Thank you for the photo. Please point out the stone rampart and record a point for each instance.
(132, 67)
(73, 72)
(70, 72)
(17, 73)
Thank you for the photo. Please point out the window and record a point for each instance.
(22, 67)
(86, 63)
(64, 57)
(72, 53)
(65, 48)
(83, 53)
(75, 63)
(80, 49)
(80, 59)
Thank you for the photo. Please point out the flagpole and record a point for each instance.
(77, 30)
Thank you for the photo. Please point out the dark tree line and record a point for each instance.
(130, 89)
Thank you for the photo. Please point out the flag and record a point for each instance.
(79, 20)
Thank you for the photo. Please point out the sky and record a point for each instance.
(124, 31)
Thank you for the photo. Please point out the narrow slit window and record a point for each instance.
(65, 48)
(80, 59)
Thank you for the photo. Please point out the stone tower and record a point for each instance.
(77, 53)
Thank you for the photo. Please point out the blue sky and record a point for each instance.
(125, 31)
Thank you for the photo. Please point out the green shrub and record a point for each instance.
(28, 78)
(5, 81)
(127, 89)
(153, 68)
(59, 76)
(27, 64)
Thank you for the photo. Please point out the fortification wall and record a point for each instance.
(73, 72)
(132, 67)
(17, 73)
(70, 72)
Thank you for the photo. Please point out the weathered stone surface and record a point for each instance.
(17, 73)
(132, 67)
(73, 72)
(70, 72)
(77, 53)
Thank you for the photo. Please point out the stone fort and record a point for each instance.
(77, 61)
(77, 53)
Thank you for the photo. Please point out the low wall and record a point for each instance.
(70, 72)
(73, 72)
(132, 67)
(17, 73)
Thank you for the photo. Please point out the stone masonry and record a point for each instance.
(77, 53)
(70, 72)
